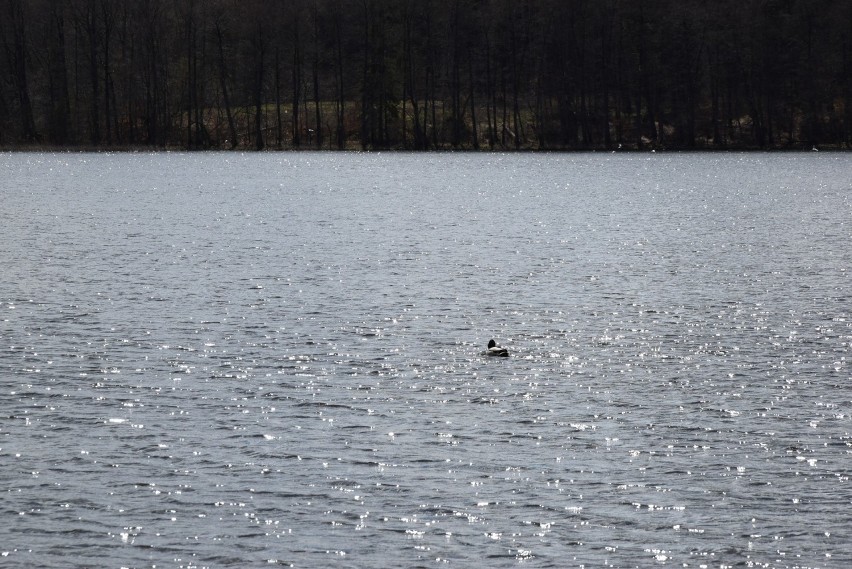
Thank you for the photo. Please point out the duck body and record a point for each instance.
(495, 350)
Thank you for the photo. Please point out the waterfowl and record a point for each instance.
(495, 350)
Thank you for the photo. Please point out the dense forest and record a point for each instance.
(426, 74)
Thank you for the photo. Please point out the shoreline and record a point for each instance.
(122, 149)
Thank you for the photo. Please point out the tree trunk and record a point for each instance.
(260, 52)
(94, 77)
(341, 101)
(278, 121)
(318, 110)
(223, 79)
(297, 85)
(474, 134)
(60, 109)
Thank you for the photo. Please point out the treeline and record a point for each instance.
(426, 74)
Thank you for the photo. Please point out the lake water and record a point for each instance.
(244, 360)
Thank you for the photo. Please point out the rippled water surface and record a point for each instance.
(227, 360)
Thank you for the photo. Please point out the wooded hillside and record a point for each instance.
(426, 74)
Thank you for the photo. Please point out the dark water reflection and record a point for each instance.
(214, 360)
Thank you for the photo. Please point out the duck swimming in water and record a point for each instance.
(495, 350)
